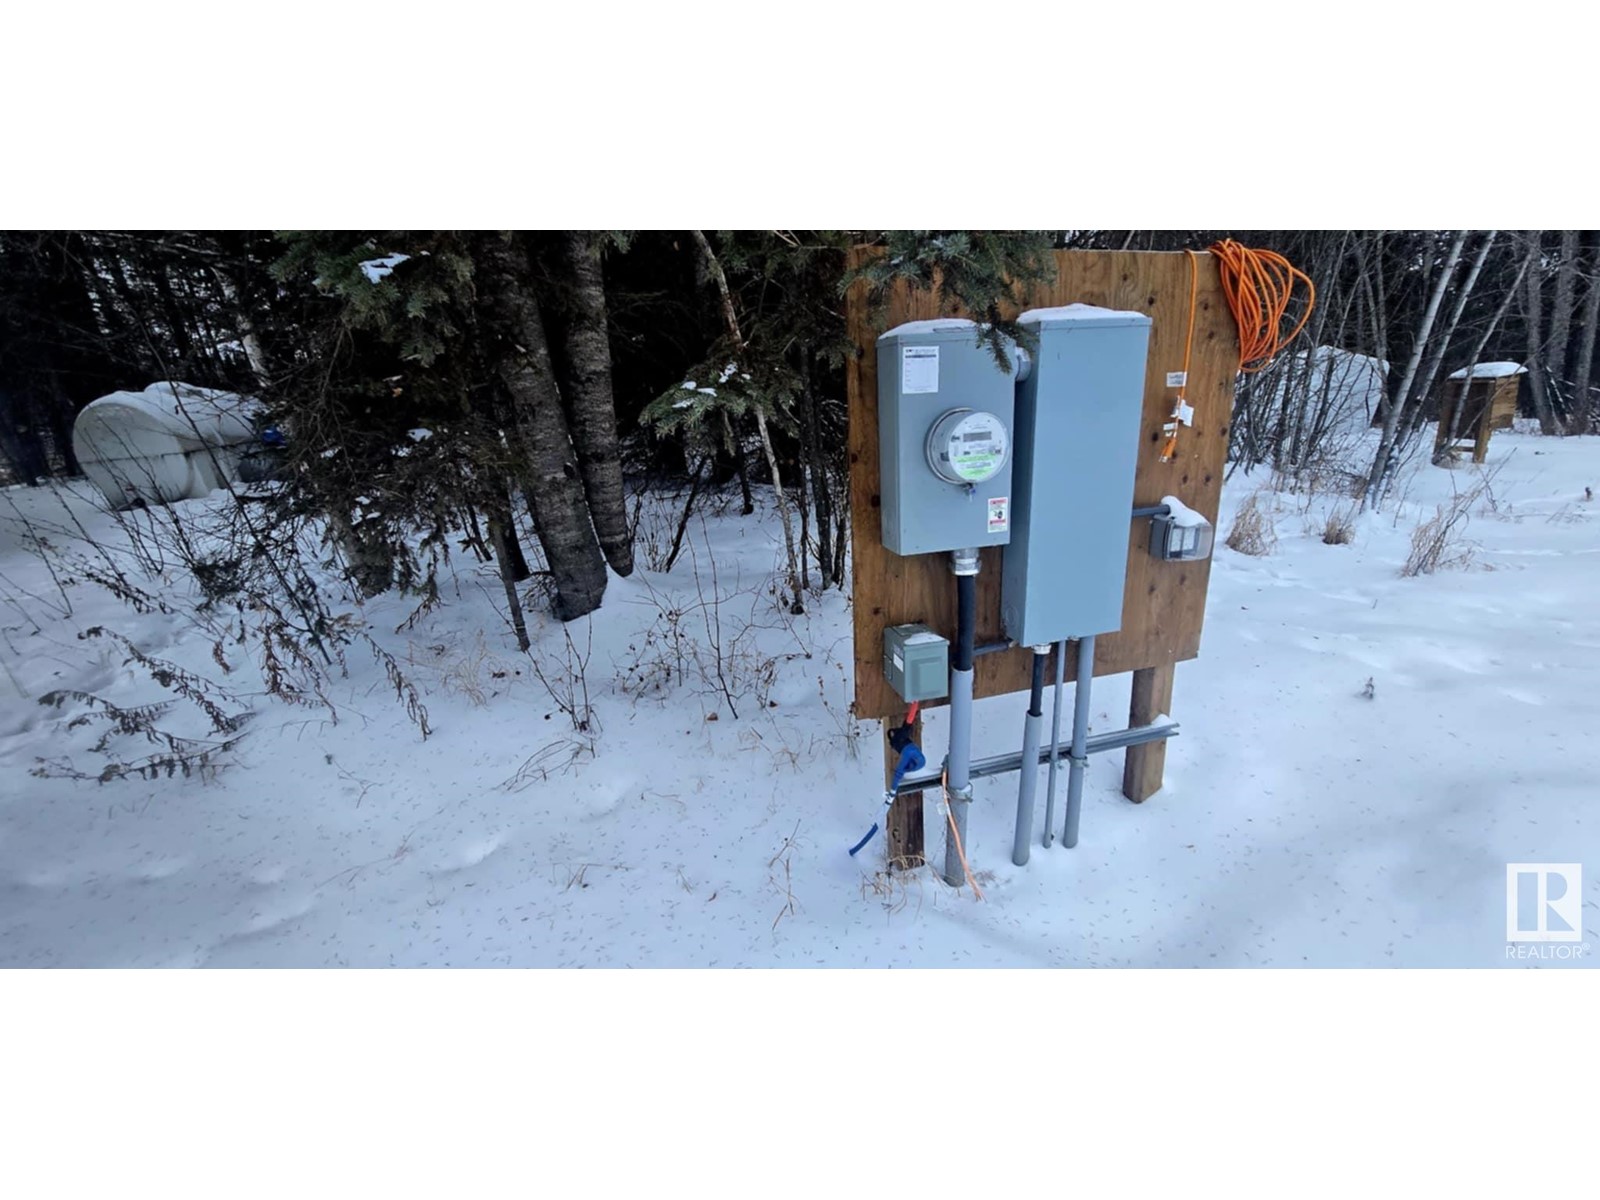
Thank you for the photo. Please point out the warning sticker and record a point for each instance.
(919, 369)
(1000, 514)
(1177, 378)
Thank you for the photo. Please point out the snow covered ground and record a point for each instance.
(1303, 821)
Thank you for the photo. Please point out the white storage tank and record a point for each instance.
(172, 441)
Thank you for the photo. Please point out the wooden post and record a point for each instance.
(1442, 443)
(1152, 696)
(904, 831)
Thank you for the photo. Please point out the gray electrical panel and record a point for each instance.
(1075, 448)
(944, 434)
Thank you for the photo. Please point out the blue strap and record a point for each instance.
(865, 838)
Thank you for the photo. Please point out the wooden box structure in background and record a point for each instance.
(1490, 404)
(1164, 602)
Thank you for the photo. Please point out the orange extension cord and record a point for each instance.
(955, 834)
(1258, 285)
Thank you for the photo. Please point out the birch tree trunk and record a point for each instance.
(1535, 319)
(1561, 316)
(519, 356)
(253, 353)
(1416, 413)
(586, 392)
(1583, 360)
(731, 320)
(821, 495)
(1398, 399)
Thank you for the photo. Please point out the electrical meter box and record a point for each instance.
(1075, 447)
(916, 661)
(944, 438)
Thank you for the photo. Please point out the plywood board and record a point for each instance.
(1164, 604)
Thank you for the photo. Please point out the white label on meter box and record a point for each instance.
(919, 369)
(1000, 514)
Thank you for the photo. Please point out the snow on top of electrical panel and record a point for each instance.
(1078, 312)
(1494, 370)
(1182, 515)
(937, 325)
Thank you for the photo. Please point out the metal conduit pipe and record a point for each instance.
(1003, 764)
(1080, 739)
(1028, 785)
(1055, 745)
(958, 782)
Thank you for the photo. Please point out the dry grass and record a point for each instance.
(1340, 527)
(781, 875)
(892, 888)
(1439, 543)
(1252, 531)
(471, 670)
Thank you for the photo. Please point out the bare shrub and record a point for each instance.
(780, 874)
(849, 729)
(554, 757)
(1252, 531)
(565, 678)
(175, 753)
(660, 521)
(697, 642)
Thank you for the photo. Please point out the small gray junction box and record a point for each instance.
(917, 662)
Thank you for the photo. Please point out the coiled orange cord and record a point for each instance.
(1259, 284)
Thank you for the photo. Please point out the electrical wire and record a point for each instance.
(1259, 286)
(1169, 448)
(955, 834)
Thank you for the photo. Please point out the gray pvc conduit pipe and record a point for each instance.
(958, 780)
(1028, 786)
(1080, 739)
(1055, 744)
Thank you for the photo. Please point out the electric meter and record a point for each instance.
(945, 440)
(967, 447)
